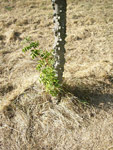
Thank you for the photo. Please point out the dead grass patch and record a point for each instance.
(30, 120)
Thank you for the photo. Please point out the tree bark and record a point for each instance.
(59, 8)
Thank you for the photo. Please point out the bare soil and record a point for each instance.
(83, 120)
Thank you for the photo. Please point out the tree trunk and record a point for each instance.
(59, 7)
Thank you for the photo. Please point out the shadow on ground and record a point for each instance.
(97, 96)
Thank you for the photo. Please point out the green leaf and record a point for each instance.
(45, 67)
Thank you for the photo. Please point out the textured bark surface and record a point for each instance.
(59, 7)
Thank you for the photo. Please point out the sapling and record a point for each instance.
(51, 64)
(45, 61)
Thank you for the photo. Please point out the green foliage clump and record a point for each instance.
(45, 67)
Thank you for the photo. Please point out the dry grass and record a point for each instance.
(29, 120)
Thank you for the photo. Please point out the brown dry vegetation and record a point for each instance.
(28, 118)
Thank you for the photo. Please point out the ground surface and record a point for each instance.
(31, 121)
